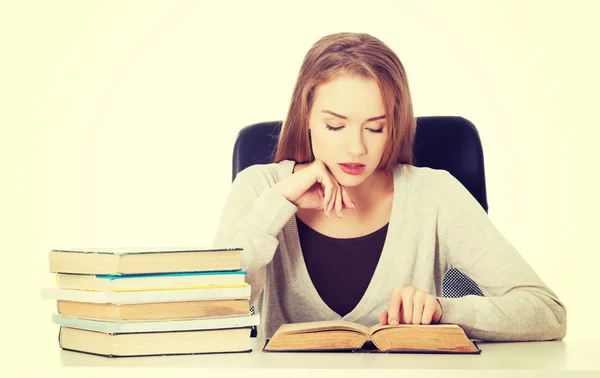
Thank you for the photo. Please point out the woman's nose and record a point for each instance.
(356, 145)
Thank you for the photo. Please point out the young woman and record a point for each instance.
(343, 226)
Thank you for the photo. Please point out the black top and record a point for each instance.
(340, 269)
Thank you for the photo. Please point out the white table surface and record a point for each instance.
(40, 355)
(550, 355)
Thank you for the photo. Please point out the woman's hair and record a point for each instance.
(363, 56)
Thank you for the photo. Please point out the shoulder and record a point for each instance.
(263, 175)
(436, 187)
(428, 186)
(424, 177)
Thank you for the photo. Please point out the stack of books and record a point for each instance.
(142, 302)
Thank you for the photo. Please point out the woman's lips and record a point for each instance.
(352, 168)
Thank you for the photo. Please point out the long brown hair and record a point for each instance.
(361, 55)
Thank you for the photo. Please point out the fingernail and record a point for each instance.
(393, 322)
(353, 205)
(340, 213)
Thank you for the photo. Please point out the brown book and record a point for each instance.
(339, 335)
(154, 311)
(155, 343)
(116, 261)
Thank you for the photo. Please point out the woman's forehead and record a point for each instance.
(352, 98)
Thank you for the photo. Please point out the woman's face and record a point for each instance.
(348, 128)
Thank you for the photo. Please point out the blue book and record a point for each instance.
(154, 281)
(179, 274)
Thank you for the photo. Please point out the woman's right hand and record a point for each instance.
(314, 187)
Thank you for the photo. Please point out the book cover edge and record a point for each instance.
(360, 350)
(142, 252)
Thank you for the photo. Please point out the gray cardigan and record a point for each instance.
(435, 224)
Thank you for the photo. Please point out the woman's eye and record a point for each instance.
(341, 127)
(333, 128)
(376, 130)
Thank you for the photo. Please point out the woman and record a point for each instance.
(343, 226)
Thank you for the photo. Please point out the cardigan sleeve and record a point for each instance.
(253, 215)
(517, 305)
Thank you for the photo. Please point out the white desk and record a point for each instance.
(541, 356)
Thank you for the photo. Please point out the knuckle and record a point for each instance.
(318, 166)
(432, 302)
(420, 295)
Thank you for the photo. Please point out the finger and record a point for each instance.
(383, 318)
(328, 190)
(418, 303)
(394, 306)
(338, 201)
(348, 204)
(429, 309)
(332, 199)
(437, 314)
(407, 305)
(321, 196)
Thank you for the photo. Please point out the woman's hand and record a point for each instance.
(411, 306)
(314, 187)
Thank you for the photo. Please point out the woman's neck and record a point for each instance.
(378, 185)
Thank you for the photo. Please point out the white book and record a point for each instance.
(157, 326)
(147, 296)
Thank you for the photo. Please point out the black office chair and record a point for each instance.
(449, 143)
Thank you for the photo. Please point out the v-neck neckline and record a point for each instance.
(368, 296)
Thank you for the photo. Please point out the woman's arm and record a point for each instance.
(517, 306)
(253, 215)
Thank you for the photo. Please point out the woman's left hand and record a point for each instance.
(411, 306)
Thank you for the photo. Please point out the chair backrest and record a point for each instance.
(449, 143)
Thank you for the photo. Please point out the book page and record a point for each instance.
(379, 327)
(323, 326)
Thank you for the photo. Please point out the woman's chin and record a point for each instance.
(349, 181)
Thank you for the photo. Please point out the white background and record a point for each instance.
(119, 118)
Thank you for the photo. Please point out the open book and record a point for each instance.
(339, 335)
